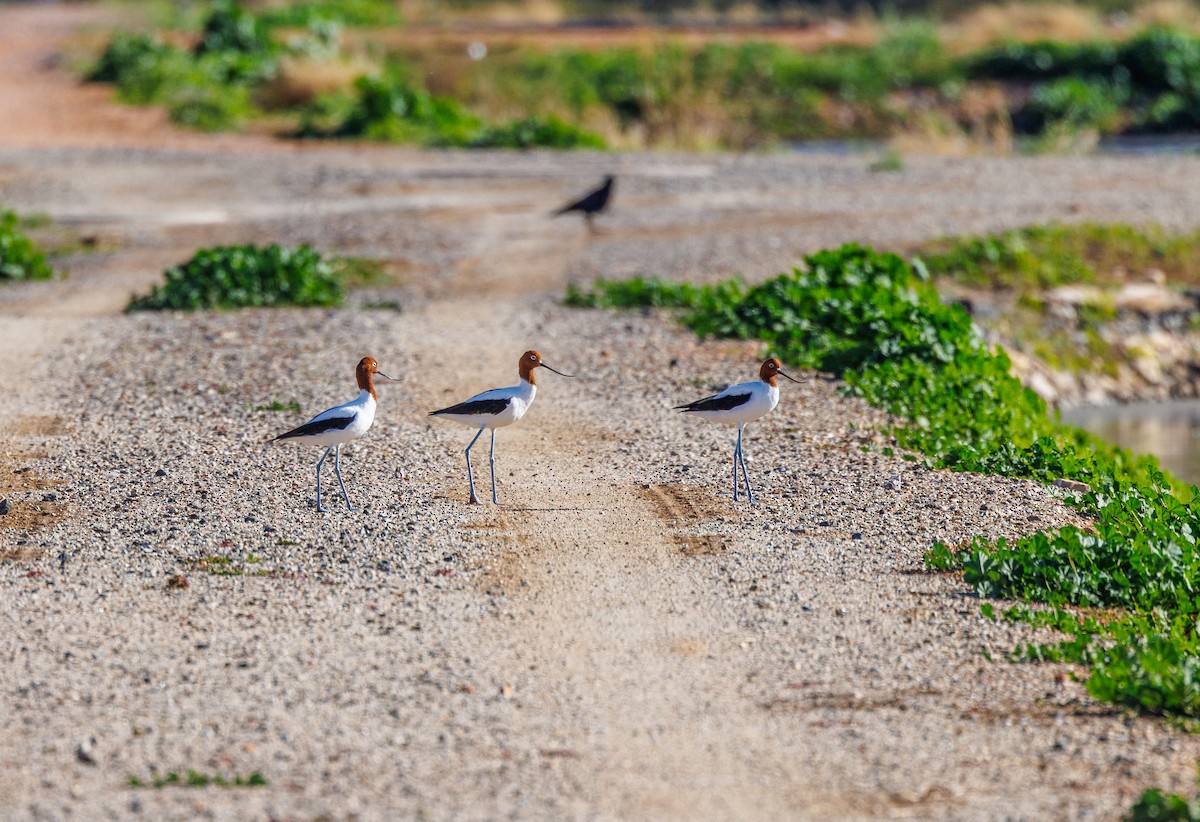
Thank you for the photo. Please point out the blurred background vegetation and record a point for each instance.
(693, 74)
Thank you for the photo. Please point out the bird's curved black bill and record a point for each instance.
(793, 379)
(556, 371)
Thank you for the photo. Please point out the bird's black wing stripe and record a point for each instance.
(716, 403)
(475, 407)
(318, 427)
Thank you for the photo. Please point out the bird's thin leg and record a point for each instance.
(470, 474)
(745, 476)
(492, 459)
(337, 469)
(737, 450)
(321, 462)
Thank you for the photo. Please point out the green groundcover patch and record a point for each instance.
(1125, 591)
(20, 259)
(245, 276)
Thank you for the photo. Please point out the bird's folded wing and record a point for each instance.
(335, 419)
(718, 402)
(477, 406)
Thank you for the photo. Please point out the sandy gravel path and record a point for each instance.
(618, 640)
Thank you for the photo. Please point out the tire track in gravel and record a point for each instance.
(607, 630)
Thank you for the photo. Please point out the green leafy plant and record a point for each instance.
(1155, 75)
(231, 28)
(20, 259)
(1155, 806)
(242, 276)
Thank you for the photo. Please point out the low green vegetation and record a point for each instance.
(724, 95)
(1028, 261)
(396, 109)
(198, 779)
(1155, 806)
(208, 87)
(888, 160)
(235, 71)
(223, 565)
(1123, 589)
(343, 12)
(293, 64)
(290, 406)
(1051, 255)
(20, 259)
(1150, 83)
(245, 276)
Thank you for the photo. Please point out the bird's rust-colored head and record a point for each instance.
(531, 360)
(363, 373)
(772, 368)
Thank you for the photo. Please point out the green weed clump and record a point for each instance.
(209, 88)
(879, 323)
(245, 276)
(1150, 83)
(1047, 256)
(395, 109)
(1155, 806)
(20, 259)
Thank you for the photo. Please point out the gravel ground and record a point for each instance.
(618, 639)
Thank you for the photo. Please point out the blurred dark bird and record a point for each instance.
(592, 203)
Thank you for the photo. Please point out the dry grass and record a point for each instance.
(433, 37)
(1067, 22)
(1022, 21)
(299, 81)
(1177, 13)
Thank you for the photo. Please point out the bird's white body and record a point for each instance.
(496, 409)
(517, 400)
(762, 400)
(740, 404)
(333, 428)
(360, 410)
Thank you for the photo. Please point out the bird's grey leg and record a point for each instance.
(470, 474)
(337, 469)
(321, 462)
(742, 459)
(492, 459)
(737, 451)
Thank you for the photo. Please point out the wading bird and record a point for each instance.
(496, 409)
(592, 203)
(742, 403)
(338, 426)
